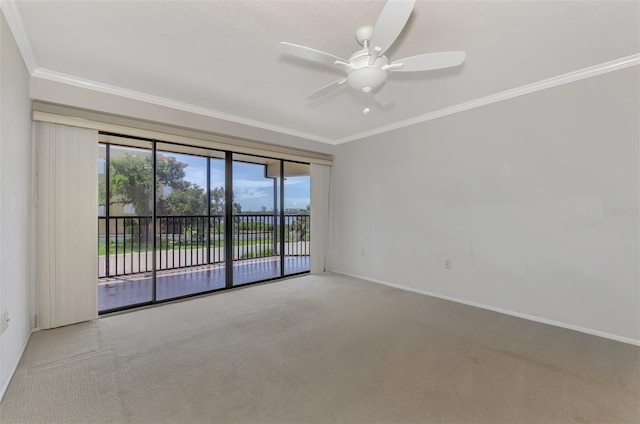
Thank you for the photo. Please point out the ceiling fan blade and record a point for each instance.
(326, 89)
(390, 23)
(308, 53)
(429, 61)
(384, 96)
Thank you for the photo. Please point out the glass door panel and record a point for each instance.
(297, 217)
(124, 221)
(256, 214)
(183, 224)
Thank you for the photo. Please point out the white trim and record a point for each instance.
(12, 15)
(614, 65)
(499, 310)
(173, 104)
(15, 367)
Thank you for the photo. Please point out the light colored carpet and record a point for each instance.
(321, 349)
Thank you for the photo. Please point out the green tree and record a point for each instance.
(131, 180)
(189, 200)
(217, 202)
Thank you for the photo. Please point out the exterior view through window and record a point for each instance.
(177, 220)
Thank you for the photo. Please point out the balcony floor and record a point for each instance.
(122, 291)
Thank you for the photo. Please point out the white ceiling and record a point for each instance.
(222, 55)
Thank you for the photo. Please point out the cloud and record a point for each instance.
(251, 193)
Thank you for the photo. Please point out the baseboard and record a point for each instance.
(15, 367)
(499, 310)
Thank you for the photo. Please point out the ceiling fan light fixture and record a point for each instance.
(366, 79)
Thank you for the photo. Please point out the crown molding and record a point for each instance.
(173, 104)
(12, 15)
(14, 20)
(592, 71)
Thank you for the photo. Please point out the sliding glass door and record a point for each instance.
(178, 220)
(256, 219)
(189, 258)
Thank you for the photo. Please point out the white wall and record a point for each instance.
(534, 200)
(15, 203)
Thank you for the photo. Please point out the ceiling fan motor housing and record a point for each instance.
(364, 77)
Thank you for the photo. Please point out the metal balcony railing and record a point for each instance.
(194, 240)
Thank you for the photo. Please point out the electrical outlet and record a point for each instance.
(447, 264)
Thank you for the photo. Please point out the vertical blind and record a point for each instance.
(67, 249)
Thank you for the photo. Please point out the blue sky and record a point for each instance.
(252, 190)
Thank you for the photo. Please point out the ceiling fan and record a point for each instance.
(367, 69)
